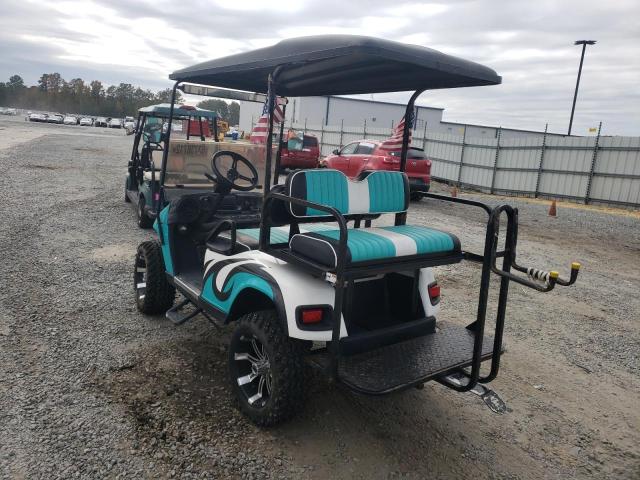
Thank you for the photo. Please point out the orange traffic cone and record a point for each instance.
(454, 192)
(552, 209)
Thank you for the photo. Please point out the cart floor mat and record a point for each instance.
(409, 363)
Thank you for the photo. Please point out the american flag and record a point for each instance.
(261, 129)
(394, 142)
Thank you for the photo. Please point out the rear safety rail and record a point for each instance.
(540, 280)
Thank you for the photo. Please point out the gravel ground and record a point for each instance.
(89, 388)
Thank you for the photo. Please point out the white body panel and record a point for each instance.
(298, 288)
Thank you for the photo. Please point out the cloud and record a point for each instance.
(529, 43)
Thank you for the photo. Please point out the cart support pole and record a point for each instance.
(401, 218)
(276, 174)
(408, 122)
(265, 229)
(165, 153)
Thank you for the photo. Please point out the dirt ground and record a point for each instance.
(90, 388)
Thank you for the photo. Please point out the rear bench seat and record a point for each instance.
(376, 192)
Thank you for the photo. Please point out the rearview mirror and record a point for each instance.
(336, 152)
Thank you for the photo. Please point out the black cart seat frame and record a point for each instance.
(295, 65)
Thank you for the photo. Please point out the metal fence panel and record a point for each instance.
(513, 165)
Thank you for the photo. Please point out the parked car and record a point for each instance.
(130, 128)
(356, 157)
(86, 121)
(55, 118)
(69, 120)
(37, 117)
(101, 122)
(115, 123)
(9, 111)
(300, 151)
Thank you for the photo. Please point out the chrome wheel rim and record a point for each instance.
(253, 371)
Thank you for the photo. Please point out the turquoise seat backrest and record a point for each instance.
(375, 192)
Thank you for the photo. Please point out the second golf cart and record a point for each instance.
(143, 172)
(307, 278)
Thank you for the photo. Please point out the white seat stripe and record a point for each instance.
(359, 196)
(404, 244)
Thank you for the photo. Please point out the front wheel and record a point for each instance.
(266, 369)
(154, 294)
(143, 219)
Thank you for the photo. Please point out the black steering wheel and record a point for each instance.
(228, 180)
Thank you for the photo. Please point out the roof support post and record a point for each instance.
(265, 228)
(165, 153)
(408, 121)
(276, 174)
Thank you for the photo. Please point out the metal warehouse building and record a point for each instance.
(372, 114)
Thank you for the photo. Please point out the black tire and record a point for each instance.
(280, 383)
(154, 294)
(415, 197)
(143, 219)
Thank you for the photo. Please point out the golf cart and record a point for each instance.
(142, 181)
(317, 283)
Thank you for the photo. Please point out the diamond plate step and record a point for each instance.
(409, 363)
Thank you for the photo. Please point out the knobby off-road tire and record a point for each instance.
(154, 294)
(276, 392)
(143, 219)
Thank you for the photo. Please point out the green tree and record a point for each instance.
(43, 83)
(96, 89)
(216, 105)
(164, 96)
(234, 113)
(15, 82)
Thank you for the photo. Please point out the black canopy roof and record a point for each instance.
(339, 65)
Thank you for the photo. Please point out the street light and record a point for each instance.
(584, 44)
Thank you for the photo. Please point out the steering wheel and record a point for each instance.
(228, 180)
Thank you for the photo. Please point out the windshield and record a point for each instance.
(189, 160)
(309, 141)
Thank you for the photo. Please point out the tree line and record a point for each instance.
(54, 93)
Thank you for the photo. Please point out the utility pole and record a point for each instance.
(584, 44)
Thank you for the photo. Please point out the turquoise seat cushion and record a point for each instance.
(375, 244)
(250, 237)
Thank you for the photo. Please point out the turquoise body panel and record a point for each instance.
(234, 286)
(164, 226)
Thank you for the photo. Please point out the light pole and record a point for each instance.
(584, 44)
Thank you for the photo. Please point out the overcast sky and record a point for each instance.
(529, 43)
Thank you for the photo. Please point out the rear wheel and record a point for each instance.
(266, 369)
(154, 294)
(143, 219)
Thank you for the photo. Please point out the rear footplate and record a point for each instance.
(408, 363)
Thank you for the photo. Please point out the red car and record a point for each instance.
(297, 154)
(361, 155)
